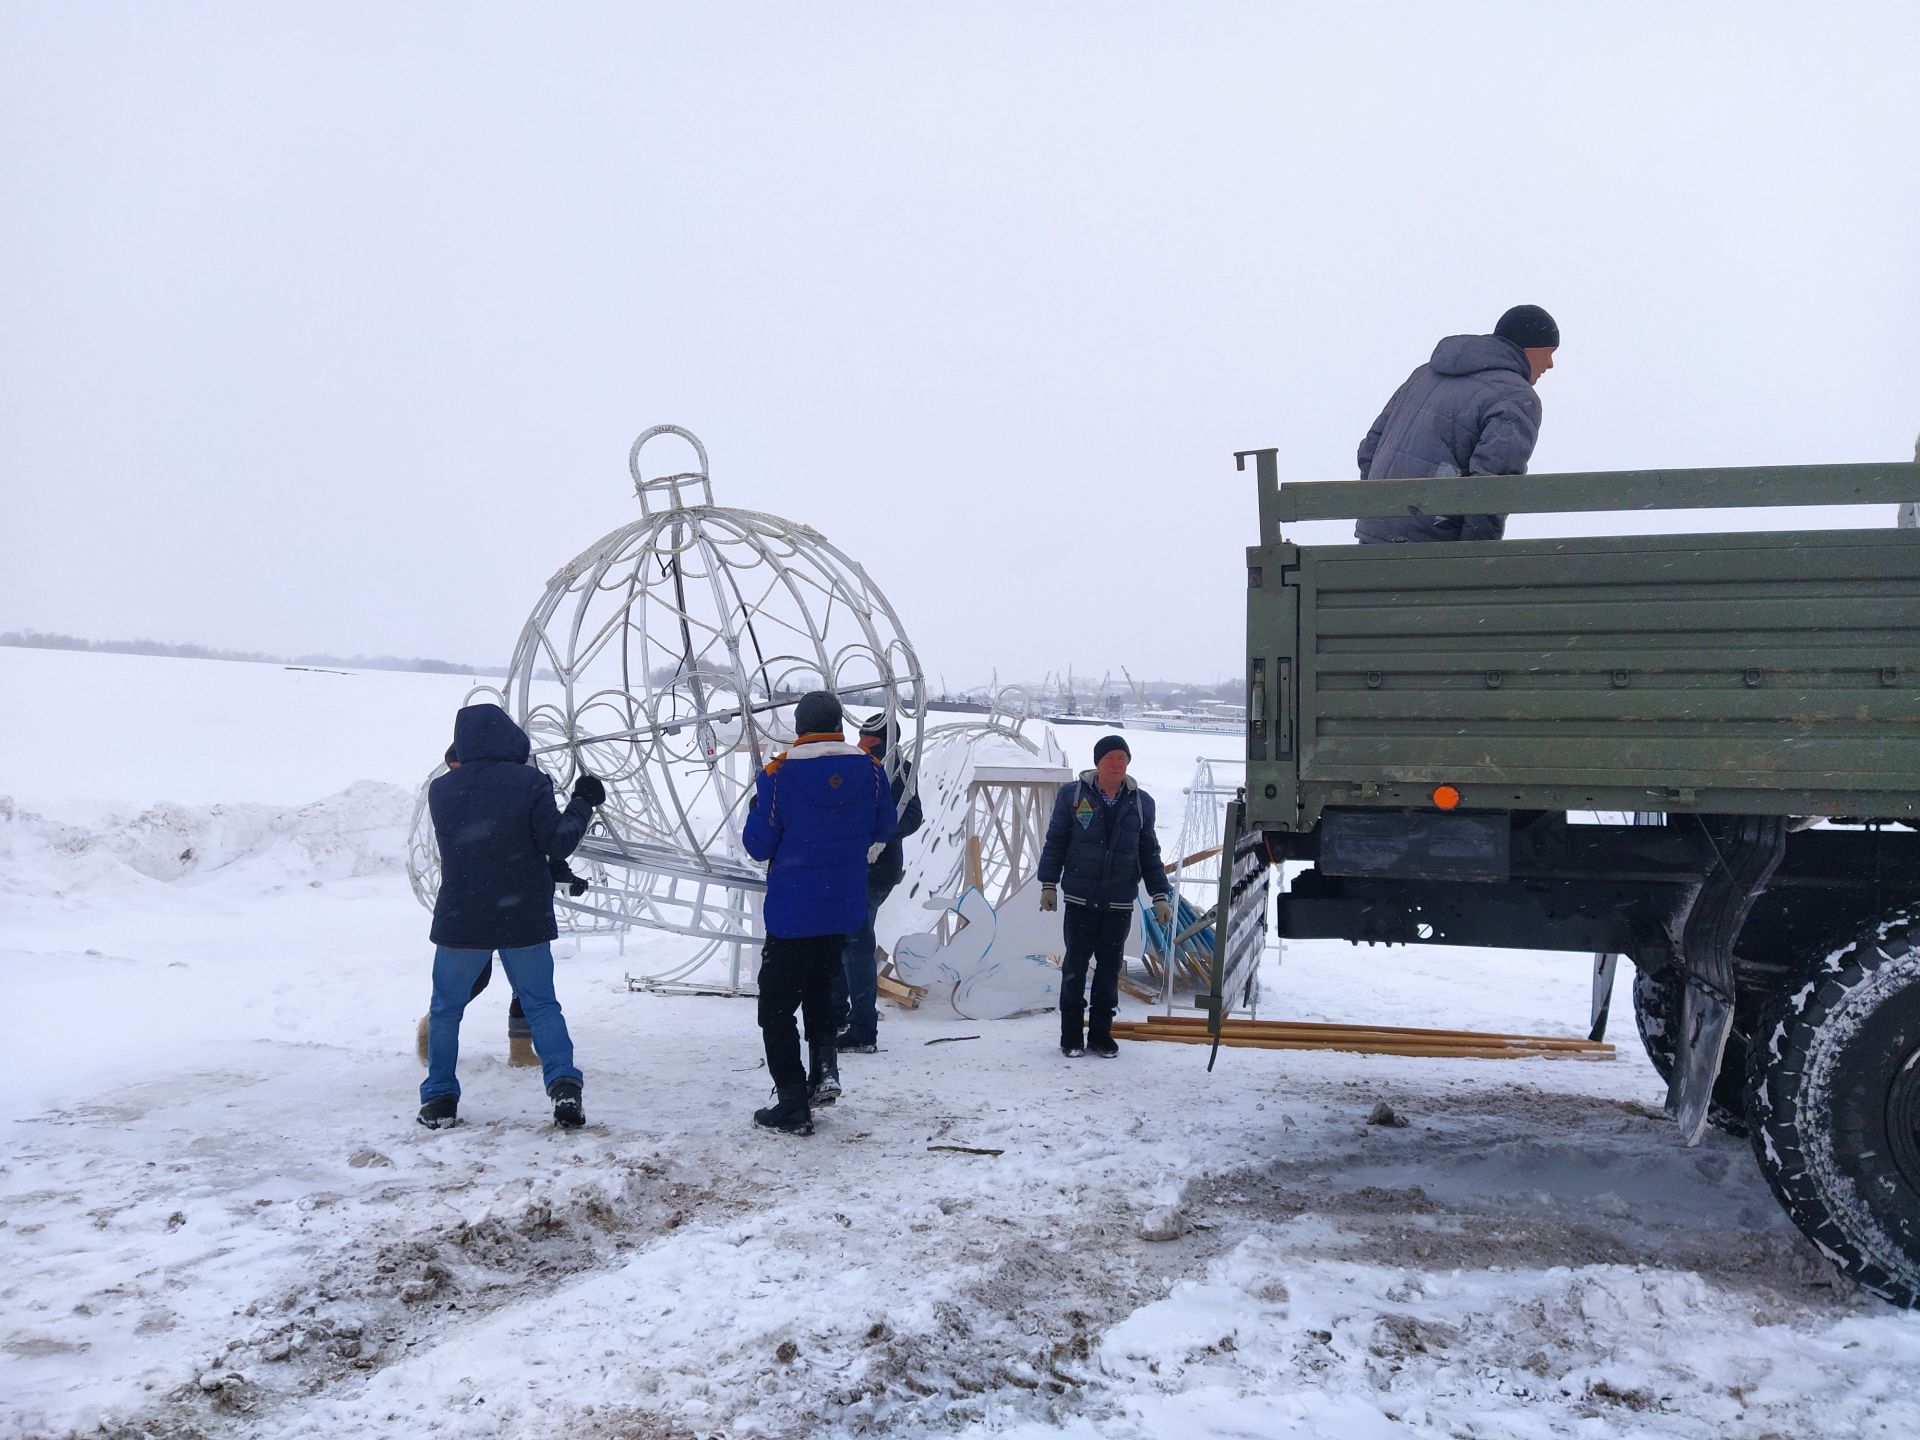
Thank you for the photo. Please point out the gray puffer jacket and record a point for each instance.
(1468, 411)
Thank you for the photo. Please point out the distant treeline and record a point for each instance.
(41, 640)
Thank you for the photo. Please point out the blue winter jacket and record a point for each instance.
(816, 811)
(499, 830)
(1100, 853)
(1470, 410)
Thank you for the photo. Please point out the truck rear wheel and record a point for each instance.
(1834, 1097)
(1656, 1011)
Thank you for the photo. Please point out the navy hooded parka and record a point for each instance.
(499, 829)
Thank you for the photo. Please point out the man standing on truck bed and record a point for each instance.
(1470, 410)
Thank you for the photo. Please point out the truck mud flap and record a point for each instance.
(1746, 850)
(1240, 929)
(1604, 966)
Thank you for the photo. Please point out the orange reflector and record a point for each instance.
(1445, 797)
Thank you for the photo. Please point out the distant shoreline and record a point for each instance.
(36, 640)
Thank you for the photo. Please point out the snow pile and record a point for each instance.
(358, 832)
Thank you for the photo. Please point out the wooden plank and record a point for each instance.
(1254, 1030)
(1193, 859)
(1264, 1032)
(1199, 1022)
(1411, 1051)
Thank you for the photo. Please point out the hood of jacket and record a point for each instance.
(486, 732)
(1471, 354)
(1092, 777)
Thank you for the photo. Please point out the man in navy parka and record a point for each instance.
(1101, 848)
(499, 832)
(819, 812)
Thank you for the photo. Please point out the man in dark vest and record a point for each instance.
(1470, 410)
(1100, 848)
(855, 1002)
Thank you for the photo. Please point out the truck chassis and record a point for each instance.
(1436, 733)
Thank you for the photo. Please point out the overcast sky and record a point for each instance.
(327, 327)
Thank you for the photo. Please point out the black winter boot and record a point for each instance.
(1071, 1044)
(1100, 1036)
(568, 1113)
(439, 1112)
(823, 1075)
(788, 1115)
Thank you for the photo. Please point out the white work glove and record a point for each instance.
(875, 850)
(1049, 898)
(1162, 911)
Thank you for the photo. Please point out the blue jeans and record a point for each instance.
(530, 972)
(855, 979)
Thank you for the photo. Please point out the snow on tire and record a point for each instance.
(1833, 1094)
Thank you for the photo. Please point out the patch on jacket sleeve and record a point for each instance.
(1083, 812)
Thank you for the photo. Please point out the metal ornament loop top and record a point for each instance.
(671, 486)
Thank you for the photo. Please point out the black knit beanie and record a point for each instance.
(1529, 327)
(880, 728)
(817, 713)
(1106, 745)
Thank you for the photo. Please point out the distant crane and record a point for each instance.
(1134, 685)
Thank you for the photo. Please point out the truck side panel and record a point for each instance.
(1732, 673)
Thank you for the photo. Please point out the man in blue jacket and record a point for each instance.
(855, 1001)
(817, 811)
(1100, 847)
(1470, 410)
(499, 832)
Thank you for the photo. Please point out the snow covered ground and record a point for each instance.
(219, 1219)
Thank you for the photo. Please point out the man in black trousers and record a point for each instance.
(818, 810)
(1100, 847)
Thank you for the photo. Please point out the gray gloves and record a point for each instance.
(1162, 911)
(1049, 898)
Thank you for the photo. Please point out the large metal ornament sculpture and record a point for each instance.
(665, 659)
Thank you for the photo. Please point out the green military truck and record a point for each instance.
(1438, 735)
